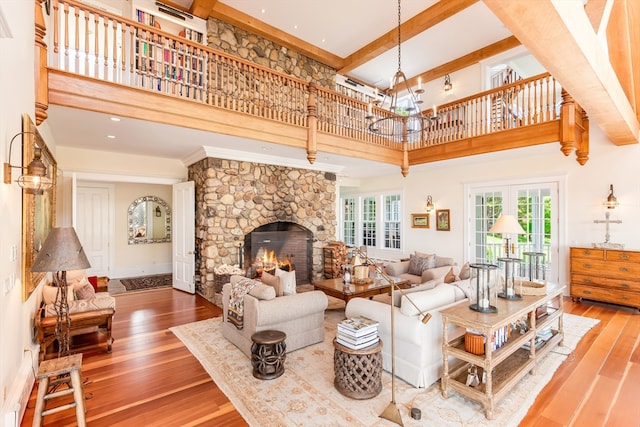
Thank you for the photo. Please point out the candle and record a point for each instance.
(434, 109)
(369, 110)
(419, 82)
(390, 82)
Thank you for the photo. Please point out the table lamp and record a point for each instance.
(505, 225)
(60, 253)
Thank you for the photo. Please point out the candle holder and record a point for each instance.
(535, 266)
(509, 289)
(483, 274)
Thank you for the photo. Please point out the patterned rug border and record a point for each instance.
(155, 281)
(305, 395)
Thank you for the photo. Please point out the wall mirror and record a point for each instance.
(149, 221)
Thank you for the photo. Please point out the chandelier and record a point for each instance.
(405, 117)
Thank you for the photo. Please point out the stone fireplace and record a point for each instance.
(236, 198)
(286, 239)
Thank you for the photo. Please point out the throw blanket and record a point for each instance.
(235, 313)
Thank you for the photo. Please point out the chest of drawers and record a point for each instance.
(606, 275)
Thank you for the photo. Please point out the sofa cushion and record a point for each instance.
(49, 294)
(273, 281)
(437, 273)
(428, 300)
(288, 280)
(263, 292)
(397, 296)
(418, 264)
(441, 261)
(100, 301)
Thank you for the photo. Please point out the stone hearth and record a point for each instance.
(234, 197)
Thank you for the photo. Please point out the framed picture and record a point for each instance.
(38, 211)
(419, 220)
(443, 220)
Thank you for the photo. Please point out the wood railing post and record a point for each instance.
(312, 124)
(582, 151)
(41, 79)
(567, 124)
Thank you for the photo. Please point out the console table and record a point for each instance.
(507, 365)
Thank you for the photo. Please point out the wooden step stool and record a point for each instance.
(66, 370)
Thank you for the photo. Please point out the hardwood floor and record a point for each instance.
(151, 379)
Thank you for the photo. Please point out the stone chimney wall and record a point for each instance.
(235, 197)
(254, 48)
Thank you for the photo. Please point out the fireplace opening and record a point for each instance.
(290, 242)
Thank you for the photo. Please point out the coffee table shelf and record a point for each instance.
(507, 365)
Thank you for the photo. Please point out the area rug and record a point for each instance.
(305, 395)
(144, 283)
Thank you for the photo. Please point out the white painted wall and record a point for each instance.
(587, 187)
(17, 94)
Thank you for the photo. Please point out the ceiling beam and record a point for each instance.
(561, 38)
(249, 23)
(465, 61)
(410, 28)
(202, 8)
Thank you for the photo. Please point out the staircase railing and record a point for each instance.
(93, 43)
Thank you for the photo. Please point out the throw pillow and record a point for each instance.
(450, 277)
(418, 264)
(275, 282)
(465, 272)
(288, 280)
(49, 294)
(263, 292)
(84, 291)
(76, 277)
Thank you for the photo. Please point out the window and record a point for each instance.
(392, 223)
(349, 221)
(369, 221)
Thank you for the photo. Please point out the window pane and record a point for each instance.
(349, 221)
(392, 224)
(369, 221)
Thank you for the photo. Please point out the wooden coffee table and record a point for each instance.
(337, 289)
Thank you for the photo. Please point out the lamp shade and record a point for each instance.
(507, 224)
(61, 251)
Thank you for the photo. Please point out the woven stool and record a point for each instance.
(67, 371)
(358, 372)
(268, 353)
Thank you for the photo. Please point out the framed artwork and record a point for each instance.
(38, 211)
(443, 220)
(419, 220)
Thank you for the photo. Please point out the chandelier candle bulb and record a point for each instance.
(419, 82)
(434, 110)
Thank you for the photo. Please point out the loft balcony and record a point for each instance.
(106, 63)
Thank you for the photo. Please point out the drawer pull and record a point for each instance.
(624, 298)
(587, 281)
(624, 269)
(586, 252)
(586, 292)
(586, 265)
(624, 256)
(625, 285)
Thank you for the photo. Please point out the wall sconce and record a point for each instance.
(429, 205)
(447, 83)
(158, 211)
(612, 201)
(35, 181)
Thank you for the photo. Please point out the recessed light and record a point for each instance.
(263, 10)
(295, 27)
(111, 136)
(324, 40)
(115, 119)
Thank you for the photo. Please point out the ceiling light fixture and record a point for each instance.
(404, 104)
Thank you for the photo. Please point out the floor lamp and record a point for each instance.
(391, 412)
(60, 253)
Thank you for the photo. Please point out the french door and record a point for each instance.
(535, 206)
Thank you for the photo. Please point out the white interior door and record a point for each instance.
(184, 236)
(93, 222)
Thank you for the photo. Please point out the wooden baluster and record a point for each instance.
(132, 60)
(105, 52)
(123, 50)
(76, 39)
(86, 42)
(56, 31)
(96, 41)
(66, 37)
(114, 58)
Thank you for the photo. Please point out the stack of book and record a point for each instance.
(357, 332)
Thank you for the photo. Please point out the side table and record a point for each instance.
(358, 373)
(268, 353)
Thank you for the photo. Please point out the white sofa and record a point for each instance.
(299, 316)
(418, 347)
(438, 269)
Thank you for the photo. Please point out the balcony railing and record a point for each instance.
(86, 41)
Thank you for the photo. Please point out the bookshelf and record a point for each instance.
(167, 64)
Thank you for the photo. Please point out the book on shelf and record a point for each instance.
(358, 325)
(360, 345)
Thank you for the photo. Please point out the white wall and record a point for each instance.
(587, 187)
(17, 94)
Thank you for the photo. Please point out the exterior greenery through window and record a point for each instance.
(369, 221)
(392, 223)
(366, 218)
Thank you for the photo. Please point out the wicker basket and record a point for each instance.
(474, 343)
(531, 288)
